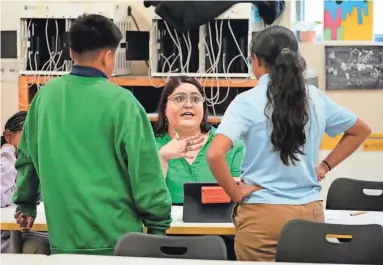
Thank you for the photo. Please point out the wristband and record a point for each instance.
(327, 164)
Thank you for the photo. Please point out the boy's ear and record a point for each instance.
(8, 136)
(70, 54)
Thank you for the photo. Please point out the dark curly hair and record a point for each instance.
(14, 124)
(277, 49)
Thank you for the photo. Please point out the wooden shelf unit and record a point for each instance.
(373, 143)
(25, 82)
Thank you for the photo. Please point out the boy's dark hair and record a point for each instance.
(14, 124)
(277, 49)
(93, 32)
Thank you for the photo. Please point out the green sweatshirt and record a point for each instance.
(90, 146)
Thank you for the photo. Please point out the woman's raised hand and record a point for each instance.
(177, 148)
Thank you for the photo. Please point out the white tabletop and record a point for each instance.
(64, 259)
(23, 259)
(179, 227)
(347, 217)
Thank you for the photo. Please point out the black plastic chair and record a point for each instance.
(154, 246)
(305, 241)
(348, 194)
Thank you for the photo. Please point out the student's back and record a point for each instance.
(282, 122)
(90, 145)
(286, 184)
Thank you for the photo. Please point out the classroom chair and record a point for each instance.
(180, 247)
(348, 194)
(310, 242)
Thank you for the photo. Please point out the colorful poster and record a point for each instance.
(349, 20)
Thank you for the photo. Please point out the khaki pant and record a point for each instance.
(258, 227)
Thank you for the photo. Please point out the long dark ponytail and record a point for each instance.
(277, 49)
(14, 124)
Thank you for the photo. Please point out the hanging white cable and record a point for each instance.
(228, 88)
(170, 65)
(209, 101)
(191, 49)
(35, 58)
(57, 36)
(215, 96)
(228, 68)
(187, 42)
(226, 77)
(30, 60)
(173, 39)
(166, 61)
(240, 51)
(181, 57)
(236, 42)
(47, 41)
(215, 66)
(57, 61)
(21, 61)
(208, 54)
(149, 68)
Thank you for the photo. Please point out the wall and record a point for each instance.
(366, 104)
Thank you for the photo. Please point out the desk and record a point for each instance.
(64, 259)
(178, 227)
(345, 217)
(20, 259)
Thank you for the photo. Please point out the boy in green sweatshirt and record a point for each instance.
(89, 144)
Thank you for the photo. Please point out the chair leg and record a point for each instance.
(16, 242)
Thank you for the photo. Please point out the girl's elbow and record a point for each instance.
(212, 155)
(364, 130)
(368, 130)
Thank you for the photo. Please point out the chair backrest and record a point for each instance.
(305, 241)
(181, 247)
(196, 211)
(348, 194)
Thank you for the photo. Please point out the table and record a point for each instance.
(64, 259)
(346, 217)
(178, 227)
(27, 259)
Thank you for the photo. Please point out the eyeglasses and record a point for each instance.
(180, 99)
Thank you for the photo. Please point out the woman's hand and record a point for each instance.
(178, 148)
(321, 170)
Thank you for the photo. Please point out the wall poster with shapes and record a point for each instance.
(354, 67)
(350, 20)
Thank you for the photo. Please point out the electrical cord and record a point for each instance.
(25, 45)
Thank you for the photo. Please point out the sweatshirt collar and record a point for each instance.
(87, 71)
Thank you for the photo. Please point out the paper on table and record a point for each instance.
(345, 217)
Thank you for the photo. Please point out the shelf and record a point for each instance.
(154, 81)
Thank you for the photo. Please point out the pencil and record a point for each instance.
(357, 213)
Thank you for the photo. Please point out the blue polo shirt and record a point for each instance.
(293, 184)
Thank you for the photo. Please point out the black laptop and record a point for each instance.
(200, 207)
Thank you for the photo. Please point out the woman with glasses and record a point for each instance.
(183, 136)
